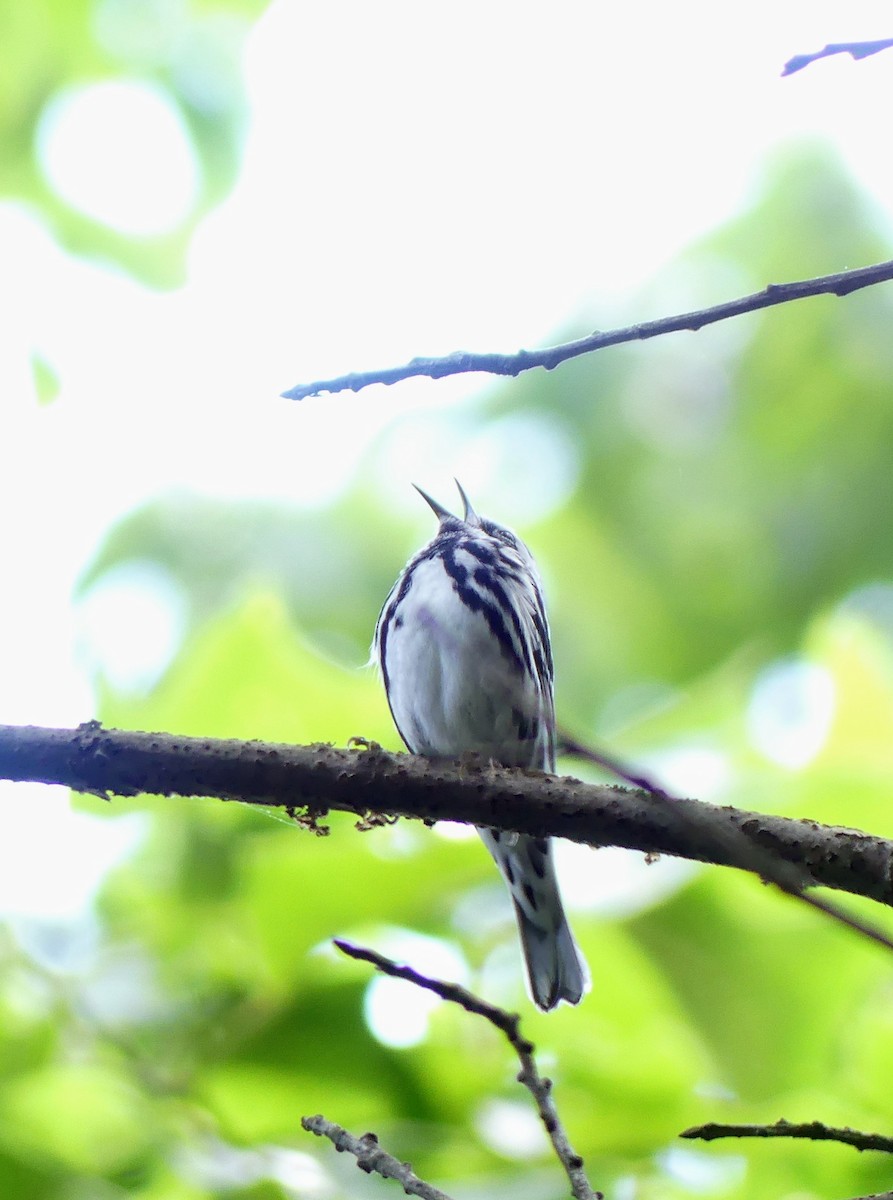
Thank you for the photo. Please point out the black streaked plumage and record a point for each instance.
(463, 645)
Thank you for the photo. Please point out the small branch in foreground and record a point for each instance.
(462, 363)
(814, 1131)
(856, 49)
(510, 1025)
(791, 878)
(370, 1157)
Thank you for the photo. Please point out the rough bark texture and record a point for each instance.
(371, 783)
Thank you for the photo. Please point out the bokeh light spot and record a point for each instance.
(119, 152)
(512, 1129)
(397, 1012)
(131, 625)
(790, 712)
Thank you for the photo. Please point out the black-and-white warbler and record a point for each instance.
(464, 650)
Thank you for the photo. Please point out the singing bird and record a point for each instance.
(463, 646)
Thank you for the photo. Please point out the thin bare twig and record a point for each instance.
(856, 49)
(370, 1157)
(791, 878)
(510, 1025)
(462, 363)
(815, 1131)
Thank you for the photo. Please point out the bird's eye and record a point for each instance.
(500, 533)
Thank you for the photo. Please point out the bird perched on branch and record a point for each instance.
(463, 646)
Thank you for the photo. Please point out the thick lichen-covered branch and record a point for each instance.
(372, 783)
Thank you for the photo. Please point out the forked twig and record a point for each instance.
(509, 1024)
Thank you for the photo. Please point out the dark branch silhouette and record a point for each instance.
(373, 784)
(462, 363)
(856, 49)
(510, 1025)
(791, 878)
(814, 1131)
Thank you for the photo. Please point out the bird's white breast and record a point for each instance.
(452, 688)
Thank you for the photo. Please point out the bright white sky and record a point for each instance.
(417, 179)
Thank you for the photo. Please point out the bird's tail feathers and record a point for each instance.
(556, 970)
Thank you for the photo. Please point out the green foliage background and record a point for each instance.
(729, 511)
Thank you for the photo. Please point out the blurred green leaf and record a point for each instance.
(728, 944)
(246, 674)
(84, 1117)
(191, 51)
